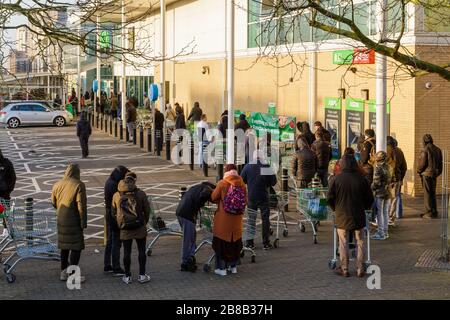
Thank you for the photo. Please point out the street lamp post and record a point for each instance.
(381, 74)
(162, 71)
(230, 81)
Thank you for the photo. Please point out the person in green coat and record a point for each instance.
(70, 200)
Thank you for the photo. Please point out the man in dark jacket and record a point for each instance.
(322, 149)
(7, 182)
(196, 112)
(397, 158)
(180, 123)
(131, 116)
(349, 195)
(367, 154)
(84, 130)
(243, 123)
(259, 177)
(429, 168)
(113, 244)
(188, 208)
(159, 132)
(326, 134)
(303, 164)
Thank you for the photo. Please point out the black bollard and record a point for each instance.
(141, 138)
(240, 167)
(120, 130)
(127, 134)
(96, 121)
(149, 140)
(219, 175)
(168, 145)
(134, 135)
(110, 125)
(191, 152)
(158, 142)
(115, 127)
(205, 161)
(29, 218)
(285, 184)
(181, 192)
(101, 123)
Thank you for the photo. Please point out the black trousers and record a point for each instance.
(113, 245)
(323, 175)
(264, 206)
(159, 137)
(142, 257)
(429, 186)
(84, 143)
(74, 258)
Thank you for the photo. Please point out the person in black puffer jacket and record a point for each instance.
(303, 163)
(188, 208)
(113, 243)
(84, 130)
(180, 123)
(322, 149)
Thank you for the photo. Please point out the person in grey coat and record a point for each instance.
(69, 199)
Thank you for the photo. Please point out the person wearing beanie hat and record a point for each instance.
(227, 229)
(382, 190)
(430, 168)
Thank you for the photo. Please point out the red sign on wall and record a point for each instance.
(363, 56)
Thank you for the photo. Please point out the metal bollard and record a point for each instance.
(191, 153)
(110, 125)
(158, 142)
(29, 218)
(120, 130)
(141, 138)
(101, 122)
(149, 140)
(181, 192)
(96, 121)
(115, 127)
(105, 118)
(168, 145)
(240, 167)
(204, 161)
(134, 135)
(285, 184)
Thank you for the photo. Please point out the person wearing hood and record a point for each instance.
(322, 150)
(367, 152)
(180, 123)
(113, 244)
(429, 169)
(84, 130)
(349, 195)
(306, 132)
(196, 113)
(7, 182)
(131, 197)
(303, 163)
(70, 200)
(258, 183)
(326, 134)
(187, 210)
(400, 167)
(227, 229)
(243, 123)
(382, 190)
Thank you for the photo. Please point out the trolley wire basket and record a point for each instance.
(278, 201)
(32, 235)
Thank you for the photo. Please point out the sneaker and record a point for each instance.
(126, 279)
(108, 269)
(233, 270)
(220, 272)
(391, 223)
(378, 236)
(267, 246)
(250, 245)
(64, 275)
(143, 278)
(5, 233)
(118, 273)
(386, 235)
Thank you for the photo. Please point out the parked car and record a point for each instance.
(33, 113)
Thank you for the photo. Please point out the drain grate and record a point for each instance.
(431, 258)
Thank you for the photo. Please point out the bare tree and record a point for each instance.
(353, 22)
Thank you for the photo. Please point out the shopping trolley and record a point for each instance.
(312, 205)
(278, 202)
(206, 222)
(32, 237)
(333, 262)
(157, 226)
(8, 205)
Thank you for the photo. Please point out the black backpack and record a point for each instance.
(129, 212)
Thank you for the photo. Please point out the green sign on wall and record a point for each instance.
(333, 103)
(355, 104)
(343, 56)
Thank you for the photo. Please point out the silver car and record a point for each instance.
(33, 113)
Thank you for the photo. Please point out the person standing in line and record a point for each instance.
(243, 123)
(114, 105)
(349, 195)
(326, 134)
(303, 164)
(113, 244)
(170, 114)
(159, 129)
(131, 210)
(195, 113)
(7, 183)
(382, 189)
(367, 154)
(400, 167)
(180, 122)
(258, 177)
(130, 118)
(429, 169)
(322, 150)
(84, 130)
(202, 127)
(227, 229)
(70, 201)
(147, 103)
(187, 210)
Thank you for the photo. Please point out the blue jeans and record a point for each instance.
(222, 265)
(189, 239)
(113, 244)
(264, 206)
(383, 206)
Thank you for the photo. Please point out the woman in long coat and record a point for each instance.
(69, 199)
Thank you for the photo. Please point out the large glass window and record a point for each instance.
(302, 29)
